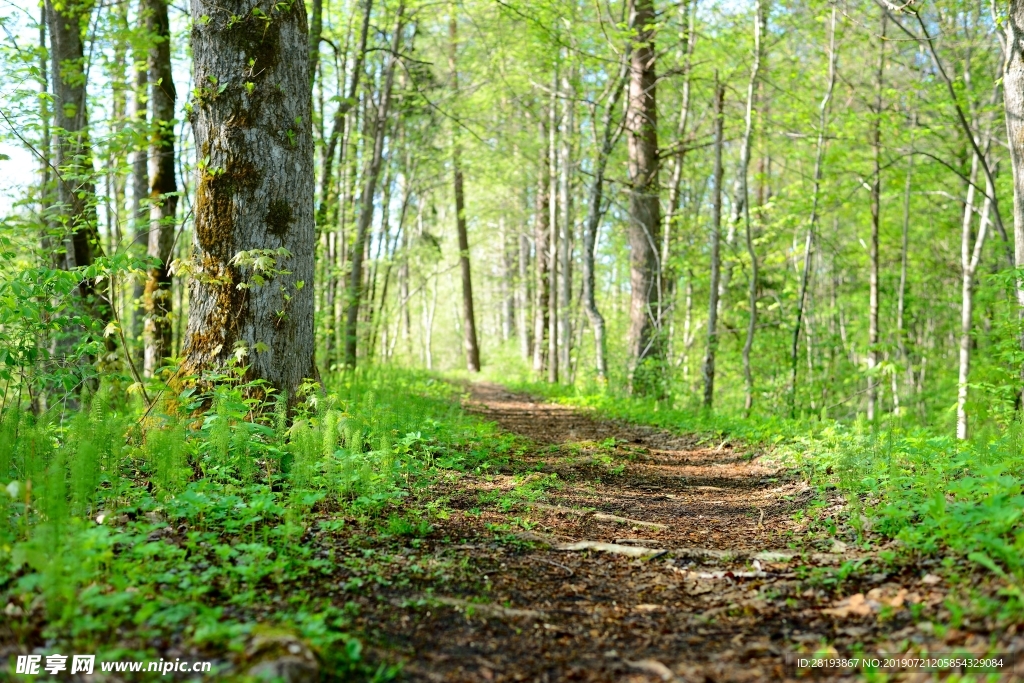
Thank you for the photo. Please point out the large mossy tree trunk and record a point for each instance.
(251, 293)
(163, 189)
(644, 346)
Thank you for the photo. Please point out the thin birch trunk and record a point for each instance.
(969, 258)
(716, 227)
(760, 21)
(668, 275)
(901, 294)
(508, 304)
(595, 200)
(823, 111)
(565, 243)
(553, 126)
(1013, 96)
(876, 210)
(523, 293)
(338, 129)
(541, 222)
(355, 289)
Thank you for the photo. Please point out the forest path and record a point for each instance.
(518, 605)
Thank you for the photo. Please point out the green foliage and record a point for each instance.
(153, 523)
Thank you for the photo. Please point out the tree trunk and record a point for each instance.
(1013, 96)
(593, 221)
(760, 19)
(813, 220)
(354, 294)
(469, 341)
(316, 27)
(338, 132)
(901, 294)
(75, 189)
(523, 290)
(553, 234)
(969, 259)
(508, 302)
(688, 333)
(716, 227)
(254, 200)
(668, 274)
(876, 206)
(140, 180)
(644, 347)
(541, 222)
(162, 190)
(565, 244)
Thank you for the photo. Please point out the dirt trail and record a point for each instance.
(710, 609)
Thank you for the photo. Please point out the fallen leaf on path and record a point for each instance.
(856, 604)
(651, 666)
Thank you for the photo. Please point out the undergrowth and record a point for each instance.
(192, 531)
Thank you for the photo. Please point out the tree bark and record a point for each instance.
(354, 294)
(140, 176)
(469, 341)
(716, 227)
(644, 347)
(901, 294)
(553, 235)
(140, 180)
(338, 132)
(1013, 97)
(75, 188)
(593, 220)
(316, 27)
(812, 222)
(760, 20)
(251, 123)
(668, 274)
(507, 283)
(876, 206)
(541, 223)
(969, 259)
(523, 292)
(565, 243)
(162, 189)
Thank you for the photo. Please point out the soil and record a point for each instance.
(706, 603)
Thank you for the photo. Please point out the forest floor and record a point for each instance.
(726, 587)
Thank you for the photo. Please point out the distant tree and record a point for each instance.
(163, 188)
(76, 210)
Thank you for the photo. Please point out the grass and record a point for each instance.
(199, 534)
(131, 534)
